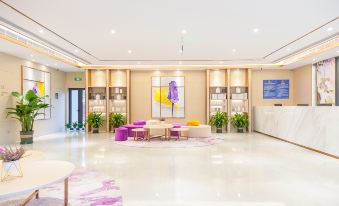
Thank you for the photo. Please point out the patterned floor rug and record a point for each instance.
(182, 143)
(86, 188)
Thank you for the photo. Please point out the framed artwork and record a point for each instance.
(40, 82)
(325, 78)
(168, 97)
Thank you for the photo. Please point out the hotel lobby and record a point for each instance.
(169, 103)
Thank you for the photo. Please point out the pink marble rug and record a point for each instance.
(182, 143)
(86, 188)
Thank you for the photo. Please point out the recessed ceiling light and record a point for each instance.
(255, 30)
(113, 31)
(234, 50)
(329, 29)
(41, 31)
(313, 60)
(129, 51)
(288, 49)
(184, 31)
(76, 51)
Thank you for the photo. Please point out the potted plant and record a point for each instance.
(219, 120)
(80, 126)
(69, 126)
(240, 121)
(10, 162)
(75, 125)
(95, 120)
(27, 108)
(116, 120)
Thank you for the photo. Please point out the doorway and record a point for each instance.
(77, 105)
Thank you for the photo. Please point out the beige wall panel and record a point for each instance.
(10, 80)
(302, 90)
(218, 78)
(238, 78)
(195, 94)
(97, 78)
(257, 86)
(118, 78)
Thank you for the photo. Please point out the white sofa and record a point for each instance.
(199, 131)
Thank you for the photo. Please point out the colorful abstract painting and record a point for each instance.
(168, 97)
(325, 71)
(40, 83)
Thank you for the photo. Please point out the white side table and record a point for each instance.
(36, 175)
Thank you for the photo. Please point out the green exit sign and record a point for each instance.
(77, 78)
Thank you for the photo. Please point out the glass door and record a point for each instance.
(77, 101)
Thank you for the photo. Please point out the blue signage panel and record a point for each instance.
(276, 89)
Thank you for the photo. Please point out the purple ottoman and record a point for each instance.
(121, 134)
(176, 125)
(129, 128)
(139, 122)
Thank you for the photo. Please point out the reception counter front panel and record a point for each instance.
(313, 127)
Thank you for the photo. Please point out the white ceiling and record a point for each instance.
(151, 29)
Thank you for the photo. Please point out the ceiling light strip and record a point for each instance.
(235, 66)
(311, 51)
(17, 38)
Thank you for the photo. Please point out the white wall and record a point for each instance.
(10, 80)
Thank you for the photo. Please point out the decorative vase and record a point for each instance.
(219, 130)
(10, 170)
(95, 130)
(26, 137)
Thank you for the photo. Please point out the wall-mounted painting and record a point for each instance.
(168, 97)
(325, 74)
(40, 82)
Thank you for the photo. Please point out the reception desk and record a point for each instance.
(313, 127)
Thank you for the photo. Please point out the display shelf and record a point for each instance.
(118, 101)
(218, 100)
(239, 89)
(97, 102)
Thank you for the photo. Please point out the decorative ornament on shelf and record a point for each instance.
(10, 167)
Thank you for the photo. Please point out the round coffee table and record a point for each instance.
(165, 127)
(36, 175)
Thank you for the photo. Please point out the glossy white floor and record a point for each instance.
(246, 169)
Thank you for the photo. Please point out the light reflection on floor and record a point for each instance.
(246, 169)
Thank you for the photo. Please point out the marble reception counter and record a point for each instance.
(313, 127)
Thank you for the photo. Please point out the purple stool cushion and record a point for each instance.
(176, 125)
(132, 126)
(121, 134)
(139, 122)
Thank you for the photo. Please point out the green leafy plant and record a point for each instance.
(75, 125)
(219, 120)
(117, 119)
(80, 125)
(68, 125)
(27, 108)
(95, 120)
(240, 121)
